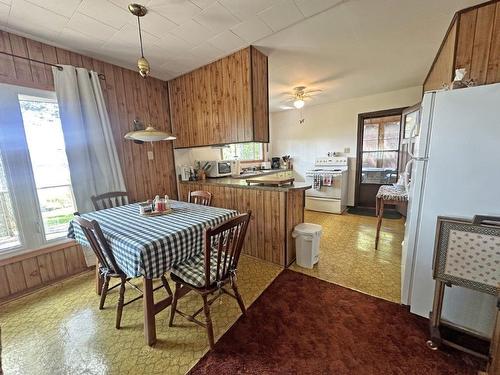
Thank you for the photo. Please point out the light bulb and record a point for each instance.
(299, 103)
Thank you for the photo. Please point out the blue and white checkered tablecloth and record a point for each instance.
(150, 246)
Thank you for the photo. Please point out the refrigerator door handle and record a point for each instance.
(407, 174)
(412, 135)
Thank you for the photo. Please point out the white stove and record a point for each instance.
(329, 185)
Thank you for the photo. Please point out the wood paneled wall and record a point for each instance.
(127, 95)
(478, 43)
(472, 42)
(27, 272)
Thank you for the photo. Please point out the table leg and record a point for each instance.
(149, 312)
(98, 278)
(379, 221)
(435, 318)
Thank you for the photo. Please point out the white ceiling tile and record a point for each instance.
(203, 3)
(77, 40)
(178, 11)
(227, 42)
(193, 32)
(27, 15)
(90, 27)
(128, 38)
(252, 29)
(281, 15)
(310, 7)
(106, 12)
(216, 18)
(65, 8)
(244, 9)
(173, 44)
(7, 2)
(4, 12)
(156, 24)
(206, 52)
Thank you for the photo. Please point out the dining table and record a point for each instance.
(149, 246)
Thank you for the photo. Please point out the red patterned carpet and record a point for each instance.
(302, 325)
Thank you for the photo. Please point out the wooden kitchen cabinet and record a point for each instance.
(223, 102)
(275, 213)
(472, 42)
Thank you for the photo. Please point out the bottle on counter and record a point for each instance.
(167, 203)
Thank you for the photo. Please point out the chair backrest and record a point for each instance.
(98, 244)
(227, 240)
(200, 197)
(111, 199)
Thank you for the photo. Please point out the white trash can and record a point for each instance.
(307, 238)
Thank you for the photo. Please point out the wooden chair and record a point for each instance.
(109, 200)
(108, 268)
(200, 197)
(210, 271)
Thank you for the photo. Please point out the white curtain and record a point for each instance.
(92, 157)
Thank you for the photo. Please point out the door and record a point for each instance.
(377, 154)
(410, 129)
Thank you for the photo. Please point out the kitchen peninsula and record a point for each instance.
(275, 212)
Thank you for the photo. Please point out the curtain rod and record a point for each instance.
(59, 67)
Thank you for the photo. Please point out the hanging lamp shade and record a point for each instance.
(149, 134)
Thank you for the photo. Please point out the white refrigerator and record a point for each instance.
(455, 172)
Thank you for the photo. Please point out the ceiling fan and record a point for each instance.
(300, 95)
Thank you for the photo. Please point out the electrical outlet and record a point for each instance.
(347, 150)
(150, 155)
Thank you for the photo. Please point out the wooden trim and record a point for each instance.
(465, 10)
(359, 143)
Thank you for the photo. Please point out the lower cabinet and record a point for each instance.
(274, 215)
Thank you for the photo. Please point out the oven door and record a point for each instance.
(333, 191)
(223, 168)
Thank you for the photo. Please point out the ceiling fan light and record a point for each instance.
(299, 103)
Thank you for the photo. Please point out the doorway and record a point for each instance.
(377, 153)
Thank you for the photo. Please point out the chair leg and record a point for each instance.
(121, 299)
(173, 306)
(208, 320)
(238, 297)
(166, 286)
(104, 292)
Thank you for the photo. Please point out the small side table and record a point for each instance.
(467, 254)
(388, 194)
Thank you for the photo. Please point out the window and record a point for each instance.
(45, 140)
(244, 151)
(380, 150)
(36, 195)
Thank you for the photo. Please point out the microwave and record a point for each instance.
(221, 168)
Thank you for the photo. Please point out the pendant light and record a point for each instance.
(143, 64)
(150, 134)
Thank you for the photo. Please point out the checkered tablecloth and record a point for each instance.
(150, 246)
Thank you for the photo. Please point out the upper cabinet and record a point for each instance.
(472, 42)
(226, 101)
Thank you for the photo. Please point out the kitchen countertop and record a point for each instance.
(241, 183)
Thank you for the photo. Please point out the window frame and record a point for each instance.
(245, 161)
(18, 167)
